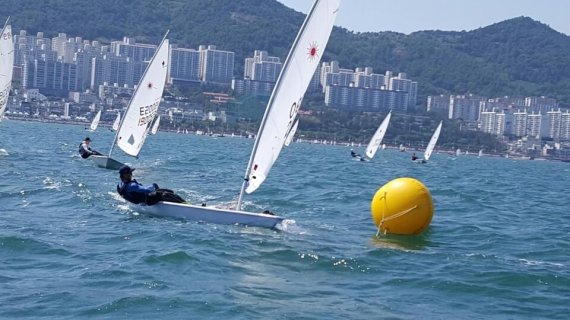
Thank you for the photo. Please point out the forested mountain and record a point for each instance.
(514, 57)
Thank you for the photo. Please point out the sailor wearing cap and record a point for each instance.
(132, 191)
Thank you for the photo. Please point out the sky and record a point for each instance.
(406, 16)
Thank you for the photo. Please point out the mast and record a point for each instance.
(270, 104)
(134, 94)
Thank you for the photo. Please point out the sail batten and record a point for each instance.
(283, 106)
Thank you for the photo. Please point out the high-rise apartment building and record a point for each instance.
(216, 66)
(184, 65)
(464, 107)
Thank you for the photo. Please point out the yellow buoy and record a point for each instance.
(402, 206)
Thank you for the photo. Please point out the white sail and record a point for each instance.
(143, 106)
(480, 153)
(432, 142)
(6, 65)
(282, 108)
(155, 126)
(458, 152)
(117, 122)
(95, 122)
(291, 133)
(377, 137)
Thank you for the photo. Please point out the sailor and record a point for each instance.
(85, 150)
(414, 157)
(354, 154)
(132, 191)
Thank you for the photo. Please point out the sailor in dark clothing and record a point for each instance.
(132, 191)
(85, 150)
(354, 154)
(414, 157)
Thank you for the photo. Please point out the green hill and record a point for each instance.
(514, 57)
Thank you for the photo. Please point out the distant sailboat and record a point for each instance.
(95, 122)
(377, 138)
(480, 153)
(432, 142)
(141, 111)
(155, 126)
(115, 126)
(276, 125)
(458, 152)
(6, 65)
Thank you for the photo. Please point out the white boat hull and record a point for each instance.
(208, 214)
(106, 162)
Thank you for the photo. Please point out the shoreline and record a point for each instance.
(341, 143)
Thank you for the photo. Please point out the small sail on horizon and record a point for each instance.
(6, 65)
(115, 126)
(378, 137)
(95, 122)
(432, 142)
(155, 126)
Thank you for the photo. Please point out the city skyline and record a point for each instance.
(417, 15)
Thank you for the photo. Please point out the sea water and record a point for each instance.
(498, 245)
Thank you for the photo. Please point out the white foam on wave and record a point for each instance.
(3, 152)
(541, 263)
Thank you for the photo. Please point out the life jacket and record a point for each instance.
(81, 150)
(134, 197)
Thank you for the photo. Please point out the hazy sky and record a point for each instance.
(407, 16)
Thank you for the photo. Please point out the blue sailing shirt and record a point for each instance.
(133, 191)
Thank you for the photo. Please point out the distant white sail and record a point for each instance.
(377, 137)
(117, 122)
(432, 142)
(143, 106)
(458, 152)
(155, 126)
(292, 133)
(95, 122)
(296, 74)
(480, 153)
(6, 65)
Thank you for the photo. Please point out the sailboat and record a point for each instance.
(278, 121)
(432, 143)
(154, 129)
(6, 65)
(376, 139)
(117, 121)
(141, 111)
(291, 133)
(457, 152)
(480, 153)
(95, 122)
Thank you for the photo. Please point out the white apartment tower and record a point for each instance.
(216, 66)
(519, 123)
(554, 123)
(565, 126)
(534, 125)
